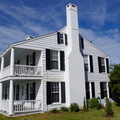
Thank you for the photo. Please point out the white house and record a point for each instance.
(54, 70)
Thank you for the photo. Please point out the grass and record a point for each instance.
(90, 115)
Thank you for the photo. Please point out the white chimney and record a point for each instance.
(75, 77)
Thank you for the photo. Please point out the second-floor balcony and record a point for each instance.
(23, 70)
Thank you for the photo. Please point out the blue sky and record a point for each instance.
(99, 21)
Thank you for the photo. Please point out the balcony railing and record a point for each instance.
(25, 70)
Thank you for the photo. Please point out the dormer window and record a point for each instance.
(62, 38)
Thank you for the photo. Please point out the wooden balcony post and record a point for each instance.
(12, 62)
(11, 102)
(2, 65)
(0, 96)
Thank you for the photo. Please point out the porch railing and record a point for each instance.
(5, 105)
(27, 105)
(6, 71)
(24, 70)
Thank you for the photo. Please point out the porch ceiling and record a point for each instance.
(19, 53)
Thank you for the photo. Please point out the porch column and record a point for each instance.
(107, 90)
(0, 96)
(12, 62)
(11, 106)
(2, 66)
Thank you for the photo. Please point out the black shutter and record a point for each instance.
(27, 91)
(93, 89)
(101, 90)
(48, 59)
(33, 55)
(63, 100)
(14, 92)
(82, 43)
(91, 63)
(62, 61)
(99, 64)
(58, 37)
(27, 60)
(66, 43)
(107, 63)
(49, 94)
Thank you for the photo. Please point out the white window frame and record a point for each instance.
(88, 62)
(58, 52)
(63, 39)
(59, 92)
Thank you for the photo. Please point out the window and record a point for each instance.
(86, 62)
(55, 60)
(101, 64)
(103, 89)
(87, 90)
(55, 92)
(62, 38)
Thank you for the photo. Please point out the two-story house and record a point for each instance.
(51, 71)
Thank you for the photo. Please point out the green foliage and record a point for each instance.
(55, 110)
(74, 107)
(84, 105)
(65, 109)
(94, 104)
(115, 82)
(108, 108)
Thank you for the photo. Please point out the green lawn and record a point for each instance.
(90, 115)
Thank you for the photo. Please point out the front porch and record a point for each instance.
(19, 96)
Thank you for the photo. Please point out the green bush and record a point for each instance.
(64, 109)
(55, 110)
(84, 105)
(94, 104)
(74, 107)
(108, 108)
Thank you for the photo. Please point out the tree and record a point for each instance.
(115, 82)
(108, 108)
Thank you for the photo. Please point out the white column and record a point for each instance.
(2, 65)
(0, 95)
(11, 98)
(12, 62)
(107, 90)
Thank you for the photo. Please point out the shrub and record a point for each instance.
(64, 109)
(94, 104)
(84, 105)
(74, 107)
(55, 110)
(108, 108)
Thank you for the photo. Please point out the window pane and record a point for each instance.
(86, 67)
(55, 91)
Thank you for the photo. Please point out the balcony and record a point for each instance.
(23, 70)
(26, 70)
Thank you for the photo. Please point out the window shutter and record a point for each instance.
(99, 64)
(48, 59)
(91, 63)
(63, 99)
(27, 60)
(93, 89)
(101, 90)
(66, 43)
(58, 37)
(49, 94)
(107, 65)
(33, 55)
(62, 61)
(82, 43)
(27, 91)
